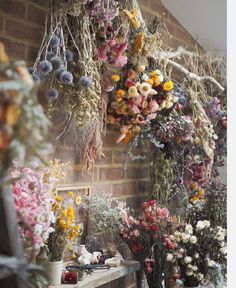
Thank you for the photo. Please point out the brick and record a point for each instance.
(102, 187)
(144, 186)
(13, 8)
(32, 53)
(81, 176)
(23, 31)
(36, 15)
(135, 202)
(1, 23)
(137, 172)
(15, 50)
(107, 159)
(111, 173)
(109, 140)
(122, 189)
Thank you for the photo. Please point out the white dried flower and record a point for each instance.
(211, 263)
(187, 259)
(172, 237)
(206, 223)
(145, 77)
(169, 257)
(200, 225)
(195, 268)
(193, 239)
(223, 250)
(185, 237)
(189, 272)
(200, 276)
(189, 229)
(181, 250)
(196, 255)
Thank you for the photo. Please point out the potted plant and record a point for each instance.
(66, 230)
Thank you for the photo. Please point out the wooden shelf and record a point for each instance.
(99, 278)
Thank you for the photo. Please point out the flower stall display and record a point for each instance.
(65, 231)
(148, 238)
(199, 253)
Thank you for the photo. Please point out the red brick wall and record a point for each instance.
(21, 30)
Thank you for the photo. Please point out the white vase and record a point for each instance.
(54, 272)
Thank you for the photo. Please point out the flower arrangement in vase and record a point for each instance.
(199, 253)
(33, 204)
(65, 232)
(148, 238)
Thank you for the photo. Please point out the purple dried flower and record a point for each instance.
(36, 78)
(44, 67)
(58, 73)
(55, 41)
(50, 55)
(69, 55)
(66, 77)
(85, 81)
(56, 62)
(52, 94)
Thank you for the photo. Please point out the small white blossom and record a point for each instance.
(145, 77)
(211, 263)
(161, 78)
(169, 257)
(200, 225)
(223, 250)
(187, 259)
(185, 237)
(181, 250)
(189, 272)
(195, 268)
(193, 239)
(206, 223)
(196, 255)
(189, 229)
(200, 276)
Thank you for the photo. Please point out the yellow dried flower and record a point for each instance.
(58, 198)
(71, 194)
(120, 93)
(78, 200)
(115, 78)
(168, 86)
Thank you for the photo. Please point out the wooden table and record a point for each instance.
(99, 278)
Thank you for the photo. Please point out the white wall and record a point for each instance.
(204, 20)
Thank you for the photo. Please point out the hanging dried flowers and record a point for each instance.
(66, 63)
(23, 125)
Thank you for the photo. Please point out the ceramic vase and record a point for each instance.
(54, 272)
